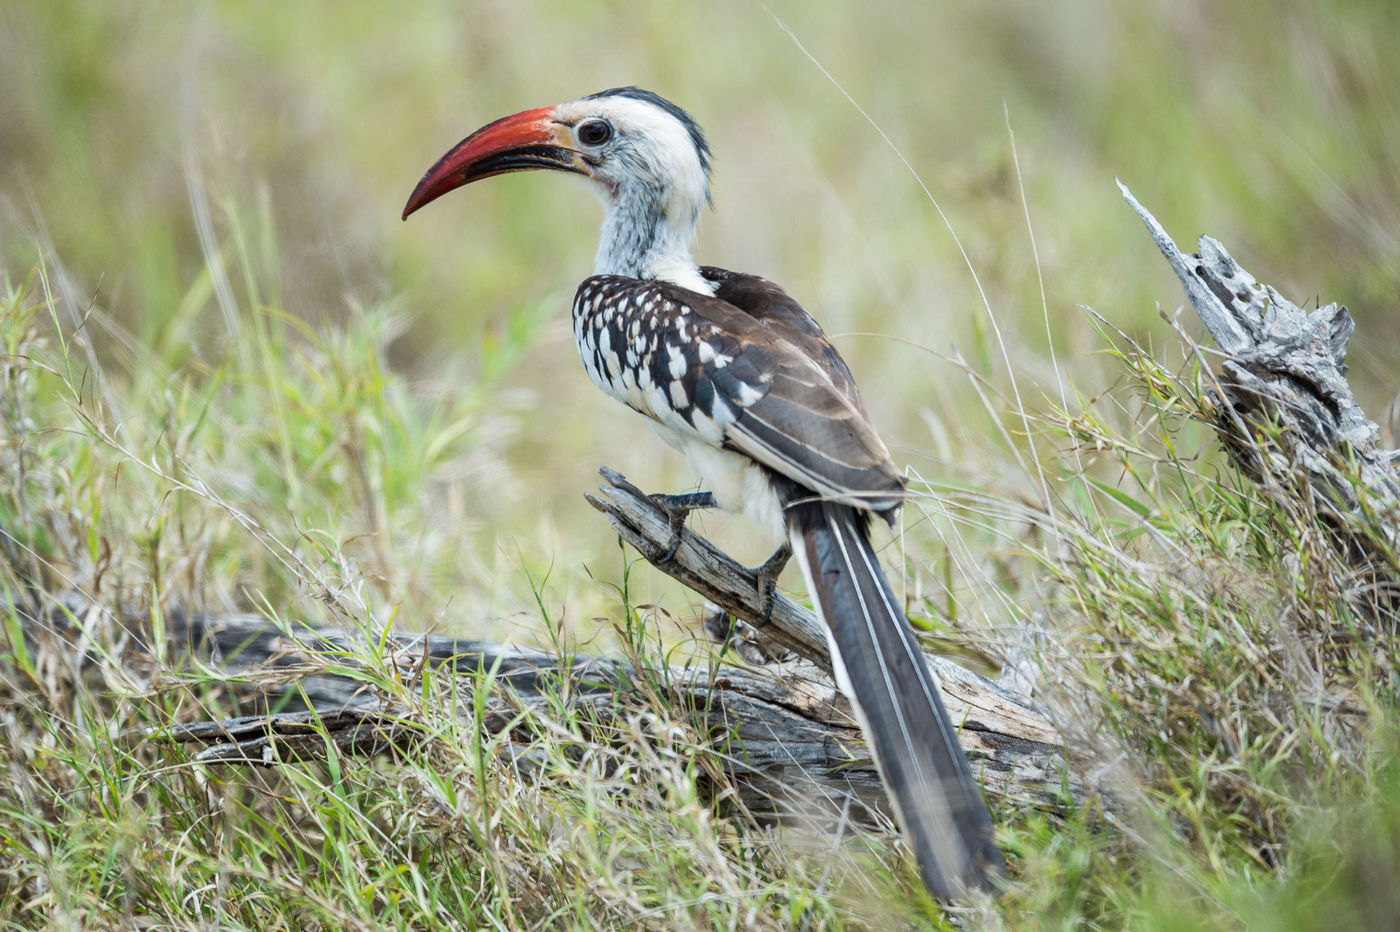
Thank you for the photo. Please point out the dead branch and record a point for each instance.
(705, 569)
(1285, 412)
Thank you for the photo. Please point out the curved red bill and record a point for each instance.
(520, 142)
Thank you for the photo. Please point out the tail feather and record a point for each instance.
(880, 668)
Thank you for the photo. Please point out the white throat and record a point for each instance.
(647, 235)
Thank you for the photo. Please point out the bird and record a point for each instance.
(735, 374)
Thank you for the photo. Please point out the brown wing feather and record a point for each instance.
(810, 425)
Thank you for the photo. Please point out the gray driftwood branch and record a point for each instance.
(974, 700)
(1285, 411)
(705, 569)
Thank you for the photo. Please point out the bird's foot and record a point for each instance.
(767, 579)
(732, 634)
(677, 508)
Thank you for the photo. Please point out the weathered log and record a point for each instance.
(781, 730)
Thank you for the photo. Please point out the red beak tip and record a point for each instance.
(415, 201)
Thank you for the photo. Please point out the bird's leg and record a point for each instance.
(767, 578)
(677, 507)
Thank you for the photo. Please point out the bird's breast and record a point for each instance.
(647, 352)
(651, 354)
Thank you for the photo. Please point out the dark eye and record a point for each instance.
(594, 132)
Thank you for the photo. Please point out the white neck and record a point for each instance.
(648, 235)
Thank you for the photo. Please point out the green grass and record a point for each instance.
(1223, 700)
(304, 408)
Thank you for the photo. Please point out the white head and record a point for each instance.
(647, 160)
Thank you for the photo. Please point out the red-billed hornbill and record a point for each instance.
(739, 377)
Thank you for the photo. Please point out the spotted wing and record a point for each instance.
(746, 368)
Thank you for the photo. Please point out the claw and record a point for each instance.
(767, 579)
(677, 507)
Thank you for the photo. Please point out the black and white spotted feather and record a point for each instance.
(766, 385)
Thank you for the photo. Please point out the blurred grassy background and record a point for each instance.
(233, 379)
(1273, 126)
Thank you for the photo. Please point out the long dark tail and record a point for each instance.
(880, 668)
